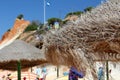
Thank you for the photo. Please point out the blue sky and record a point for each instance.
(33, 10)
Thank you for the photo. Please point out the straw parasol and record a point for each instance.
(93, 36)
(20, 52)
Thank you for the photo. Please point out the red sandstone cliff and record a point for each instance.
(18, 28)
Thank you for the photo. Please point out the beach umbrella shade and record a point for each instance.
(93, 36)
(20, 54)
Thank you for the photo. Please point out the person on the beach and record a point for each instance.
(37, 78)
(101, 74)
(8, 77)
(24, 78)
(3, 77)
(44, 73)
(74, 74)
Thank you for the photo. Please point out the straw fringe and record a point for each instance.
(12, 65)
(96, 33)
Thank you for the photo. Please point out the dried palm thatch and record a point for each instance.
(95, 33)
(20, 51)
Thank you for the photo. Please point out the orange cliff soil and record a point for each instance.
(18, 28)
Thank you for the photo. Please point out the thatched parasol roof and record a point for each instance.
(19, 50)
(96, 33)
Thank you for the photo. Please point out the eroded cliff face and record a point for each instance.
(18, 28)
(72, 18)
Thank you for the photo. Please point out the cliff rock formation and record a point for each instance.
(18, 28)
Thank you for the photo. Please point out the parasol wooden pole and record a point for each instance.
(57, 71)
(107, 73)
(19, 70)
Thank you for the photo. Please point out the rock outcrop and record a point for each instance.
(72, 18)
(18, 28)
